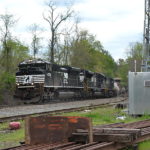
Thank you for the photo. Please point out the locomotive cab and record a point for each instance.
(30, 78)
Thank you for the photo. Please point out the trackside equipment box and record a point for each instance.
(139, 93)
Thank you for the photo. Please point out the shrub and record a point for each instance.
(7, 83)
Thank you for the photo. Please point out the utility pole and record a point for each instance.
(146, 38)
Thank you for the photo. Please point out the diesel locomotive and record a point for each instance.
(40, 80)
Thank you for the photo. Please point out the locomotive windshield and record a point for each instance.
(30, 69)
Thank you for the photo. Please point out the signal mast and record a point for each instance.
(146, 38)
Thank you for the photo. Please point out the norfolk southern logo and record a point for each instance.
(27, 79)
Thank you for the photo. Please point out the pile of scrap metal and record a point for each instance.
(76, 133)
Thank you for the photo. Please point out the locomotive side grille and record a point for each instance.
(32, 79)
(38, 78)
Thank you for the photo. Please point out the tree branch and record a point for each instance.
(63, 18)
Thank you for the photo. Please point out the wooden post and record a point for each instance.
(90, 131)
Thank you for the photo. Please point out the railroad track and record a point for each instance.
(141, 127)
(82, 106)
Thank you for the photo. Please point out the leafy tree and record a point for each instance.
(18, 53)
(122, 71)
(88, 53)
(134, 52)
(7, 21)
(12, 52)
(80, 54)
(108, 64)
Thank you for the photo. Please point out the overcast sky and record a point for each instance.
(116, 23)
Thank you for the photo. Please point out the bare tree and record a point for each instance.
(55, 20)
(7, 22)
(35, 44)
(65, 52)
(70, 34)
(66, 48)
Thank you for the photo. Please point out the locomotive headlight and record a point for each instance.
(32, 83)
(18, 84)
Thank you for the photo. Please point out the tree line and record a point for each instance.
(72, 46)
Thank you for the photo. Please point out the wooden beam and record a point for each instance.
(135, 132)
(122, 138)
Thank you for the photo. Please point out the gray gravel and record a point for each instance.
(31, 109)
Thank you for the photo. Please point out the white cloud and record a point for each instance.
(118, 22)
(115, 23)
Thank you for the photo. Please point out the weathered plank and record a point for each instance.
(112, 130)
(102, 137)
(134, 132)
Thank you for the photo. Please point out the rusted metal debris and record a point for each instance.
(53, 129)
(76, 131)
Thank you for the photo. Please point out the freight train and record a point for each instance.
(40, 80)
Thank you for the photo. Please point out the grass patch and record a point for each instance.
(12, 137)
(106, 115)
(4, 126)
(99, 116)
(144, 145)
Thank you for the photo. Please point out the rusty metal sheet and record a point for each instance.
(75, 123)
(45, 129)
(54, 129)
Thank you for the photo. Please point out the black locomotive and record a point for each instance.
(45, 81)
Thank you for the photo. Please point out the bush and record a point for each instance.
(7, 83)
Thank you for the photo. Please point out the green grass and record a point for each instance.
(11, 138)
(144, 145)
(99, 116)
(106, 116)
(4, 126)
(12, 135)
